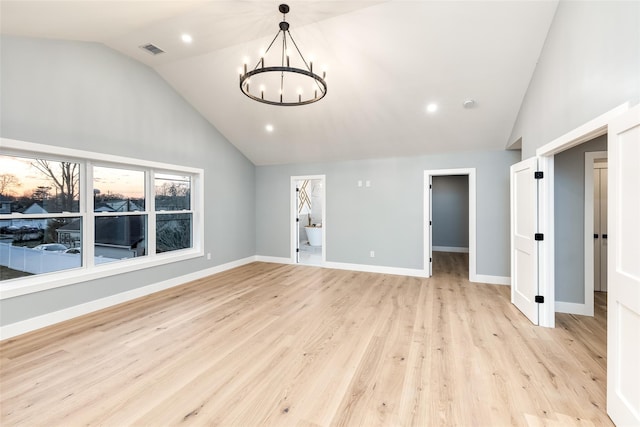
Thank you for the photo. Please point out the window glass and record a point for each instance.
(118, 190)
(52, 214)
(173, 232)
(120, 237)
(173, 192)
(38, 186)
(36, 246)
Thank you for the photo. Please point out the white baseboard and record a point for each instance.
(492, 280)
(376, 269)
(449, 249)
(274, 259)
(18, 328)
(573, 308)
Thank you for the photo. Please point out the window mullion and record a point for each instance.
(151, 209)
(89, 222)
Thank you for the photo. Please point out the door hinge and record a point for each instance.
(539, 299)
(297, 189)
(429, 186)
(539, 236)
(297, 219)
(538, 174)
(297, 249)
(430, 260)
(429, 222)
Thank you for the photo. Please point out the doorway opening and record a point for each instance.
(546, 156)
(577, 225)
(449, 218)
(308, 220)
(447, 192)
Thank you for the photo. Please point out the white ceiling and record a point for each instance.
(386, 60)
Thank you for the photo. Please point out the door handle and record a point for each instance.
(604, 236)
(595, 236)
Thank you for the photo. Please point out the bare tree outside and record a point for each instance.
(65, 178)
(8, 182)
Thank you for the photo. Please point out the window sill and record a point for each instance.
(28, 285)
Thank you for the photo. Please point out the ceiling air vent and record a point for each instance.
(152, 49)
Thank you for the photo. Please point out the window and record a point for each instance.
(67, 214)
(173, 212)
(40, 199)
(120, 232)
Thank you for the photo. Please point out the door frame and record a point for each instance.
(293, 215)
(586, 132)
(427, 238)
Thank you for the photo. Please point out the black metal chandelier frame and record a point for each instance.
(283, 69)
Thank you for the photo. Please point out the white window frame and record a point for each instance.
(89, 271)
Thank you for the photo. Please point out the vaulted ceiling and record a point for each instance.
(386, 61)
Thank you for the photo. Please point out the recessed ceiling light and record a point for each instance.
(269, 128)
(187, 38)
(432, 108)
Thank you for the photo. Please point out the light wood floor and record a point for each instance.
(269, 344)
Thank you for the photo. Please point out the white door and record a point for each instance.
(430, 255)
(524, 247)
(296, 214)
(600, 236)
(623, 312)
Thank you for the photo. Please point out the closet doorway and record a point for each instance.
(308, 220)
(468, 178)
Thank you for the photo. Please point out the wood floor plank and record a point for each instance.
(268, 344)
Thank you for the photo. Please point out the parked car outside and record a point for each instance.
(51, 247)
(76, 250)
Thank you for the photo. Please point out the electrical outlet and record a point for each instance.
(372, 254)
(209, 256)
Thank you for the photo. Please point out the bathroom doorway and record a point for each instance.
(308, 219)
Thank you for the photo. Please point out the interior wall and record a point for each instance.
(450, 211)
(590, 63)
(89, 97)
(569, 220)
(387, 216)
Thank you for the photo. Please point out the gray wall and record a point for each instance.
(450, 211)
(569, 220)
(87, 96)
(388, 216)
(590, 64)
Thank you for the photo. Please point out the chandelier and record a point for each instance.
(293, 82)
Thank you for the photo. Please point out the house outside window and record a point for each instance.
(71, 213)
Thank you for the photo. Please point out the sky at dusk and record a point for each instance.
(129, 183)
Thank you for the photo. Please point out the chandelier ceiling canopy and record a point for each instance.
(283, 77)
